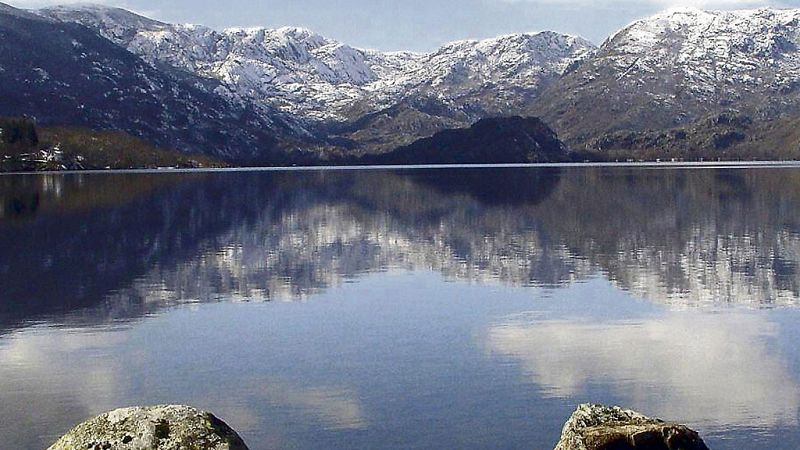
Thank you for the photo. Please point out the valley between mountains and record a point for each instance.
(684, 84)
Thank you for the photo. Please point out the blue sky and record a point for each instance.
(416, 24)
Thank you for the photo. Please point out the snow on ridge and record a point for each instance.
(712, 55)
(649, 28)
(692, 29)
(304, 73)
(693, 17)
(91, 13)
(301, 72)
(16, 12)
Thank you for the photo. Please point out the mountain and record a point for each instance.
(466, 81)
(65, 74)
(494, 140)
(685, 83)
(677, 69)
(368, 101)
(319, 78)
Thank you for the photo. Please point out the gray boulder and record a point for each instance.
(597, 427)
(165, 427)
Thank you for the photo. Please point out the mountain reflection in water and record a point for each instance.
(126, 244)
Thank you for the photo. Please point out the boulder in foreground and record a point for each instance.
(597, 427)
(166, 427)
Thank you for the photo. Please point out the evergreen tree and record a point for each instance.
(19, 131)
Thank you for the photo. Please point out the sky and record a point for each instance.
(418, 25)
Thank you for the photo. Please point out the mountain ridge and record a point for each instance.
(69, 75)
(662, 77)
(678, 67)
(328, 83)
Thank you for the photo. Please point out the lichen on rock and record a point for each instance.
(597, 427)
(165, 427)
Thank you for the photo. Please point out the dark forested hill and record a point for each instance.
(496, 140)
(25, 146)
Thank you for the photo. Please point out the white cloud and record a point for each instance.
(33, 4)
(715, 370)
(661, 4)
(43, 392)
(337, 408)
(36, 4)
(52, 378)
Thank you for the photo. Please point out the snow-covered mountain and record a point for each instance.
(676, 74)
(65, 74)
(320, 79)
(677, 67)
(710, 54)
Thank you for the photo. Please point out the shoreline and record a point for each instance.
(645, 164)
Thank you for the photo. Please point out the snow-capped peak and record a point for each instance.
(92, 14)
(302, 72)
(713, 56)
(700, 24)
(12, 11)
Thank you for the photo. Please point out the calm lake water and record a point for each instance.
(457, 308)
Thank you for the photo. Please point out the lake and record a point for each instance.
(404, 308)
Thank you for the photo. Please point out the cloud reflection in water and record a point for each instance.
(715, 369)
(53, 377)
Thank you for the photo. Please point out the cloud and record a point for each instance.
(44, 393)
(52, 378)
(34, 4)
(37, 4)
(665, 4)
(336, 408)
(715, 370)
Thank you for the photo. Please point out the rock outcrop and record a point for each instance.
(489, 141)
(597, 427)
(166, 427)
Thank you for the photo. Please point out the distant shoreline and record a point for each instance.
(645, 164)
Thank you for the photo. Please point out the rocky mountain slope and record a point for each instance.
(677, 68)
(65, 74)
(726, 136)
(316, 77)
(370, 100)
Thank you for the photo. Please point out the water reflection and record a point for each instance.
(124, 289)
(43, 390)
(125, 245)
(336, 408)
(53, 377)
(704, 368)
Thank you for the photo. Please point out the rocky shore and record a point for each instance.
(175, 427)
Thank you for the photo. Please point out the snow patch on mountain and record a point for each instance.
(303, 73)
(709, 52)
